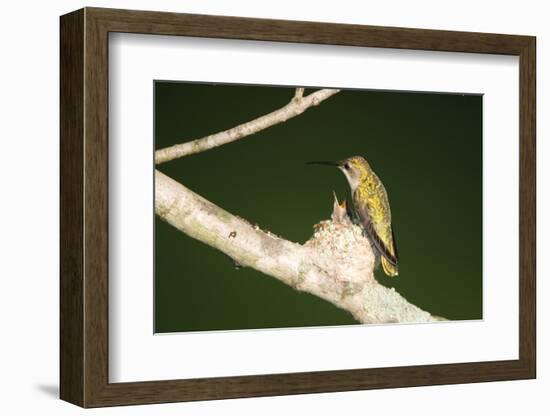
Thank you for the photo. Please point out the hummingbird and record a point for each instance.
(371, 208)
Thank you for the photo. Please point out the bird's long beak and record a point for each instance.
(329, 163)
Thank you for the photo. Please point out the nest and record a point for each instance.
(341, 247)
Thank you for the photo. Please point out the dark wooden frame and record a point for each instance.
(84, 209)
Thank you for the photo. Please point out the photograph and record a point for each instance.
(310, 206)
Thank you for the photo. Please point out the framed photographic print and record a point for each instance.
(256, 207)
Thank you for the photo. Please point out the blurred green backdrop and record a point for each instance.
(426, 148)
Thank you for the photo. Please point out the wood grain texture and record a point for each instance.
(84, 207)
(71, 203)
(96, 218)
(162, 23)
(527, 208)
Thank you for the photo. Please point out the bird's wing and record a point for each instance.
(379, 232)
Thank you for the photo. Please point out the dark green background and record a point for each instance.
(426, 148)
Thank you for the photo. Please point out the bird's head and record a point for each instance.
(356, 169)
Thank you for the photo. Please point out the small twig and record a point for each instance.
(299, 93)
(292, 109)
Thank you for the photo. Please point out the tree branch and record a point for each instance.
(335, 264)
(295, 107)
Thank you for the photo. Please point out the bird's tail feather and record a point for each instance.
(389, 268)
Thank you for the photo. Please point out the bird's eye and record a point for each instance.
(346, 166)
